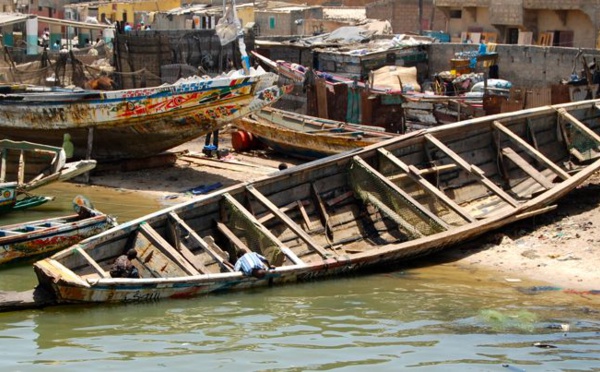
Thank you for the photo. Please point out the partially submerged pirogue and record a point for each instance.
(393, 201)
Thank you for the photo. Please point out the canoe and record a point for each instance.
(132, 123)
(35, 239)
(308, 137)
(25, 166)
(379, 206)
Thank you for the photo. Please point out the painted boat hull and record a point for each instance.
(37, 239)
(388, 203)
(308, 137)
(138, 122)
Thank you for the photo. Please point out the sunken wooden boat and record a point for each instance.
(308, 137)
(407, 197)
(133, 123)
(25, 166)
(34, 239)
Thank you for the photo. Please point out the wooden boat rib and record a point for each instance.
(390, 202)
(307, 137)
(33, 239)
(133, 123)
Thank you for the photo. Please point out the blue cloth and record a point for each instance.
(250, 261)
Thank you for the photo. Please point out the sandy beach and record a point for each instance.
(559, 248)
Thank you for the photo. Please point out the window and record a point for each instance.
(271, 22)
(456, 14)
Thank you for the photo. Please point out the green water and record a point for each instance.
(427, 317)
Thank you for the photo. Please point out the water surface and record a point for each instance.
(426, 317)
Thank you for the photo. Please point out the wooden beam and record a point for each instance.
(210, 249)
(288, 252)
(415, 175)
(425, 171)
(183, 249)
(531, 151)
(304, 215)
(573, 120)
(21, 169)
(92, 262)
(324, 216)
(158, 241)
(472, 169)
(409, 228)
(288, 221)
(239, 244)
(3, 166)
(410, 200)
(527, 168)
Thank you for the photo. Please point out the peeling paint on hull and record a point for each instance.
(134, 123)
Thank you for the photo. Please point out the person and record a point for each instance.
(127, 27)
(209, 150)
(123, 267)
(253, 264)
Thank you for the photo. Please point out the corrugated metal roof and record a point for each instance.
(346, 14)
(12, 18)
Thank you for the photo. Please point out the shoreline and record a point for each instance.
(558, 247)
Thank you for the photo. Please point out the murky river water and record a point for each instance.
(430, 318)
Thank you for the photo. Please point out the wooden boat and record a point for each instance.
(308, 137)
(25, 166)
(32, 239)
(406, 197)
(133, 123)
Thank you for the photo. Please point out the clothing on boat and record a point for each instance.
(251, 261)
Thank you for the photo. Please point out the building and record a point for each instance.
(573, 23)
(287, 20)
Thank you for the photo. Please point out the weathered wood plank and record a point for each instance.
(159, 241)
(423, 211)
(527, 168)
(203, 244)
(573, 120)
(473, 170)
(287, 221)
(240, 245)
(531, 150)
(415, 174)
(323, 215)
(288, 252)
(92, 263)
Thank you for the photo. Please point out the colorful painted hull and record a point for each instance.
(379, 206)
(115, 125)
(8, 196)
(307, 137)
(36, 239)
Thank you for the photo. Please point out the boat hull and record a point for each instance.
(37, 244)
(380, 206)
(308, 137)
(136, 123)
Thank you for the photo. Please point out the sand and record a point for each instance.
(560, 248)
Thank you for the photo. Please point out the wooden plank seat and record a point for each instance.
(527, 168)
(216, 253)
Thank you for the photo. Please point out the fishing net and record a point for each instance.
(372, 189)
(252, 234)
(582, 142)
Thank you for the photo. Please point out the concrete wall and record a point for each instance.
(524, 66)
(402, 15)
